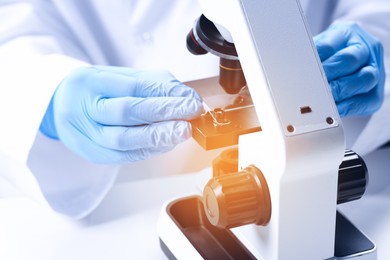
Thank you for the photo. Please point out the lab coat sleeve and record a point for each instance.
(33, 61)
(373, 16)
(31, 66)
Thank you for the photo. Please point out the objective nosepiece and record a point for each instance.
(231, 77)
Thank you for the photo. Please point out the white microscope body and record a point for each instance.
(298, 153)
(301, 143)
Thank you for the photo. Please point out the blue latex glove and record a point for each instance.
(353, 62)
(119, 115)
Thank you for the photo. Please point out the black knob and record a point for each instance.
(353, 178)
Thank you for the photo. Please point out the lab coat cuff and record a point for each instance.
(34, 82)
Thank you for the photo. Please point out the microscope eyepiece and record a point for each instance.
(204, 38)
(193, 45)
(205, 35)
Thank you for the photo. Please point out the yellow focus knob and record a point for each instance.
(238, 199)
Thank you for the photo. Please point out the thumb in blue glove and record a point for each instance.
(120, 115)
(353, 63)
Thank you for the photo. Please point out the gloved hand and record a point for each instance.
(353, 63)
(119, 115)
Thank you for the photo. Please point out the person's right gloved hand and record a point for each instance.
(120, 115)
(353, 63)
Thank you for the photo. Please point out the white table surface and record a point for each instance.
(124, 225)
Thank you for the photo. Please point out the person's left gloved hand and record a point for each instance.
(353, 63)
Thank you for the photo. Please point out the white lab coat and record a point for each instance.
(41, 41)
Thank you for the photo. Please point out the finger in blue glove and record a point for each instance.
(120, 115)
(353, 63)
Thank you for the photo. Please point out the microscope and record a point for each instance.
(274, 191)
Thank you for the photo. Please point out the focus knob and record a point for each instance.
(238, 199)
(233, 199)
(353, 178)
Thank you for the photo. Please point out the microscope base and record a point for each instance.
(186, 215)
(351, 242)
